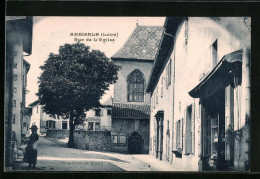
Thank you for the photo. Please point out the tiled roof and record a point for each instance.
(142, 44)
(130, 111)
(34, 103)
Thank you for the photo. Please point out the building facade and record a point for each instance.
(43, 121)
(130, 111)
(200, 94)
(18, 44)
(99, 119)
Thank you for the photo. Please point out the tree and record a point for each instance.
(73, 82)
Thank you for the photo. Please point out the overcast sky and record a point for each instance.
(51, 32)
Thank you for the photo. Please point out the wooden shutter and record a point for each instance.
(193, 129)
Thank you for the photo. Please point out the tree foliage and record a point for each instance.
(74, 80)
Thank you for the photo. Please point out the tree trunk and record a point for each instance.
(71, 143)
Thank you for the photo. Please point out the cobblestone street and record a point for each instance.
(55, 157)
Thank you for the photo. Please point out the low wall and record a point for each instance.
(92, 140)
(57, 133)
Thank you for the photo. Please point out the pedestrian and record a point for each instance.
(30, 155)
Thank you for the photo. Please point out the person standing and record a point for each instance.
(30, 155)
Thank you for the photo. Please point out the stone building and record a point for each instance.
(131, 104)
(200, 94)
(18, 44)
(43, 121)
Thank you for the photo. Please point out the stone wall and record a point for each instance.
(57, 133)
(92, 140)
(126, 127)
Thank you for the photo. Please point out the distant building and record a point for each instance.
(200, 94)
(18, 43)
(131, 104)
(43, 121)
(99, 119)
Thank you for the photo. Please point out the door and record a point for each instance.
(135, 143)
(214, 132)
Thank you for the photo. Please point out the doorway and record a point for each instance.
(135, 142)
(213, 123)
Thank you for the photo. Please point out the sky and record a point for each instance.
(51, 32)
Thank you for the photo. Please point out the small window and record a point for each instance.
(37, 109)
(98, 112)
(109, 112)
(169, 73)
(122, 139)
(15, 65)
(24, 124)
(14, 103)
(15, 77)
(64, 124)
(90, 126)
(14, 116)
(15, 90)
(97, 126)
(114, 139)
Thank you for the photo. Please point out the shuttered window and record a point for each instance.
(179, 134)
(169, 72)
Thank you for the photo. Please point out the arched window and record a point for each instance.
(135, 87)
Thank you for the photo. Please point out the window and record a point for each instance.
(15, 90)
(24, 124)
(109, 112)
(15, 65)
(98, 112)
(122, 139)
(97, 126)
(188, 133)
(169, 72)
(90, 126)
(14, 103)
(37, 109)
(50, 124)
(15, 77)
(119, 139)
(14, 116)
(179, 134)
(114, 139)
(64, 124)
(135, 87)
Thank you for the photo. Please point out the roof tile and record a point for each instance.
(142, 44)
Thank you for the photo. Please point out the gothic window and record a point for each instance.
(135, 87)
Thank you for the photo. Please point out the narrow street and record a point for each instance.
(55, 157)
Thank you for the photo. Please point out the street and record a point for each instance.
(56, 157)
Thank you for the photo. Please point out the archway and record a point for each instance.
(135, 143)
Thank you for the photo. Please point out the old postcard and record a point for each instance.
(127, 93)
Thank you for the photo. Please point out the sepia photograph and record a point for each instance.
(127, 94)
